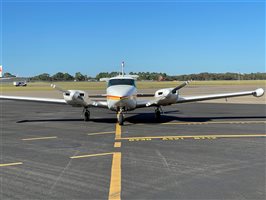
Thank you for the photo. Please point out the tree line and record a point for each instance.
(60, 76)
(205, 76)
(155, 76)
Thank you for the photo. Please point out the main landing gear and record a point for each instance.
(120, 117)
(86, 114)
(158, 111)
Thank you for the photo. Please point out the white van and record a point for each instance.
(20, 83)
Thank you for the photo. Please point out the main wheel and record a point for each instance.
(86, 115)
(157, 114)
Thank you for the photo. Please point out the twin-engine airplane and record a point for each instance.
(121, 96)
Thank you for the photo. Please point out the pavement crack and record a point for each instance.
(61, 174)
(165, 163)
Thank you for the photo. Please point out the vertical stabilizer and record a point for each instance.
(123, 65)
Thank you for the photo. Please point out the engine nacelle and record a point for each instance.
(76, 98)
(166, 96)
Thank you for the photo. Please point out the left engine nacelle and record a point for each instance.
(76, 98)
(166, 96)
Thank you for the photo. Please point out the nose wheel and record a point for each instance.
(120, 117)
(86, 114)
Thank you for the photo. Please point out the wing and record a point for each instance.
(170, 98)
(99, 104)
(257, 93)
(34, 99)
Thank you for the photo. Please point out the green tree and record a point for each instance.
(8, 75)
(59, 76)
(68, 77)
(80, 77)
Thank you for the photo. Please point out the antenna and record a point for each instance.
(123, 65)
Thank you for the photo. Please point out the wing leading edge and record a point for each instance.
(34, 99)
(257, 93)
(100, 104)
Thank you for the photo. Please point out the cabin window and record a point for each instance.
(121, 82)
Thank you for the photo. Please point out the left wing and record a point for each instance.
(256, 93)
(165, 97)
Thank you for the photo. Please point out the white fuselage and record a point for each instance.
(121, 96)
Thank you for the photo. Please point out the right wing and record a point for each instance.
(34, 99)
(99, 104)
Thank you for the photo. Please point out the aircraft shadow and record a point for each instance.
(49, 120)
(97, 120)
(147, 118)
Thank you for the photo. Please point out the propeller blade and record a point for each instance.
(180, 86)
(59, 89)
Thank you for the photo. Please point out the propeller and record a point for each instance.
(59, 88)
(180, 86)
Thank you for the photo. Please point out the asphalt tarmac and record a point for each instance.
(196, 151)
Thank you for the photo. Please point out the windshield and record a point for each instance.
(121, 82)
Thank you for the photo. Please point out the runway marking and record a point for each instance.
(39, 138)
(115, 183)
(219, 122)
(10, 164)
(101, 133)
(118, 131)
(117, 144)
(92, 155)
(196, 137)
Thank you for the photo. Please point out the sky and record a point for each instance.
(175, 37)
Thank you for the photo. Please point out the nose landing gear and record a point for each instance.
(120, 117)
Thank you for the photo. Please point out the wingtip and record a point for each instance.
(259, 92)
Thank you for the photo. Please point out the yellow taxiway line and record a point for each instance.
(117, 144)
(118, 131)
(10, 164)
(115, 183)
(191, 137)
(92, 155)
(217, 122)
(101, 133)
(39, 138)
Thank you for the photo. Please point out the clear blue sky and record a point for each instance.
(176, 37)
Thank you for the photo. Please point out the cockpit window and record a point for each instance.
(121, 82)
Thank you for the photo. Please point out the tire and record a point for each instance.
(120, 119)
(86, 116)
(157, 114)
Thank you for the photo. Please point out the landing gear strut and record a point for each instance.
(120, 117)
(86, 114)
(158, 111)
